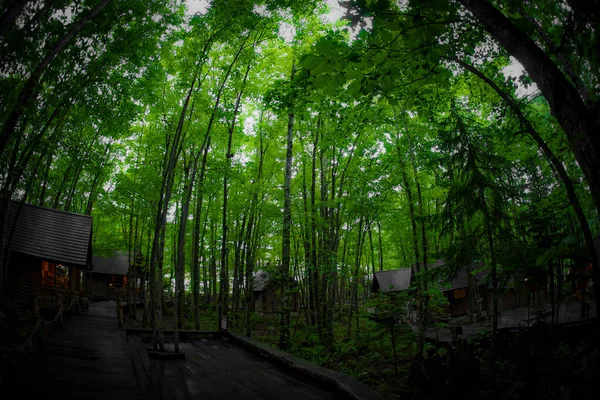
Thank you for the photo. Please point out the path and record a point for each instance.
(87, 359)
(512, 318)
(91, 358)
(217, 369)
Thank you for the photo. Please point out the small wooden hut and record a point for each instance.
(108, 279)
(458, 290)
(266, 299)
(48, 251)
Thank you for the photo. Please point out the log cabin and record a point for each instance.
(266, 299)
(48, 252)
(455, 287)
(108, 280)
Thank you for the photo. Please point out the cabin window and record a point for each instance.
(460, 293)
(56, 275)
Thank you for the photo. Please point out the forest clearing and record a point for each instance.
(405, 194)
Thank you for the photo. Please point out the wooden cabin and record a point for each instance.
(456, 288)
(48, 251)
(265, 295)
(108, 279)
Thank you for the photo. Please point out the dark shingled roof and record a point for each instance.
(51, 234)
(460, 280)
(261, 280)
(118, 264)
(393, 280)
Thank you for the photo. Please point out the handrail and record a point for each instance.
(29, 342)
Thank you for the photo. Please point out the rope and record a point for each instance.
(29, 342)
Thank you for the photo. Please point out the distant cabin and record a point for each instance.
(48, 251)
(108, 279)
(264, 292)
(394, 280)
(458, 291)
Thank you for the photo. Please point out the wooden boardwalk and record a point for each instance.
(91, 358)
(216, 369)
(87, 359)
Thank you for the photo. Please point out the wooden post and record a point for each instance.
(36, 307)
(120, 311)
(59, 310)
(75, 302)
(38, 339)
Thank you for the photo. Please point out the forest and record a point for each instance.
(322, 142)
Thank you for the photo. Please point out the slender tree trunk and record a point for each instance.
(250, 247)
(421, 320)
(491, 248)
(380, 246)
(224, 292)
(284, 323)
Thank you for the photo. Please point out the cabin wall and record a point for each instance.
(25, 284)
(267, 301)
(23, 278)
(99, 287)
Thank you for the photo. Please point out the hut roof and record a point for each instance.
(118, 264)
(460, 280)
(393, 280)
(261, 280)
(54, 235)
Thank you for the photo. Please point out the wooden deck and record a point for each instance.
(91, 358)
(217, 369)
(88, 358)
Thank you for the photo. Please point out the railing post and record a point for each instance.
(83, 300)
(120, 311)
(36, 307)
(59, 310)
(75, 302)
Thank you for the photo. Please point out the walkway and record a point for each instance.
(512, 318)
(87, 359)
(91, 358)
(217, 369)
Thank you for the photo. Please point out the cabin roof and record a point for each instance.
(393, 280)
(118, 264)
(261, 280)
(460, 280)
(54, 235)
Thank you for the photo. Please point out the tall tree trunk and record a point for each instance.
(284, 322)
(156, 260)
(415, 245)
(314, 268)
(424, 283)
(491, 248)
(252, 226)
(380, 246)
(224, 292)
